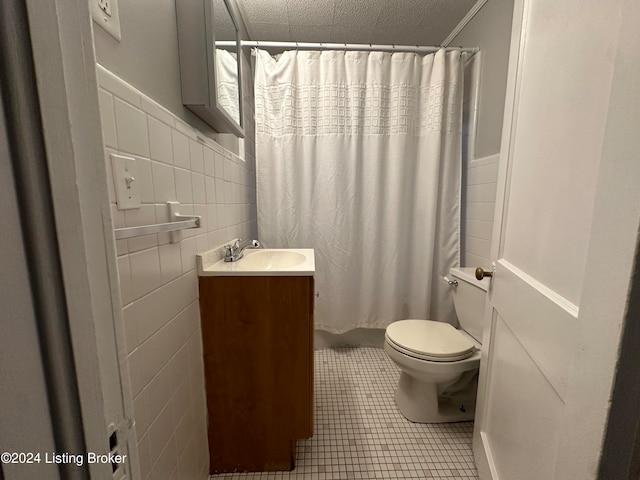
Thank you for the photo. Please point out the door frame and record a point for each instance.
(61, 38)
(22, 369)
(606, 302)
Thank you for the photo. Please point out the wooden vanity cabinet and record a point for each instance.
(258, 357)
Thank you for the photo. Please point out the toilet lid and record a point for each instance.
(430, 340)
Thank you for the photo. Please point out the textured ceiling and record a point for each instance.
(399, 22)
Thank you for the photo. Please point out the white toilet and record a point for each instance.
(439, 364)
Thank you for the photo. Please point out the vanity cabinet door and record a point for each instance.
(258, 356)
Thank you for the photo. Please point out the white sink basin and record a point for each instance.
(263, 262)
(271, 259)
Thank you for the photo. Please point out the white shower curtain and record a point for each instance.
(227, 82)
(358, 157)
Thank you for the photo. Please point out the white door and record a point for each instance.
(541, 411)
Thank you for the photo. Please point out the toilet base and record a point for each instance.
(421, 402)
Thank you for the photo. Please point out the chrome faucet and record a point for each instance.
(235, 251)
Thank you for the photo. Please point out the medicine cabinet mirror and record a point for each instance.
(210, 63)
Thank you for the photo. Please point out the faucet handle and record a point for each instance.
(232, 247)
(229, 252)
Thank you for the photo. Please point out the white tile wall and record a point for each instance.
(479, 197)
(158, 279)
(479, 179)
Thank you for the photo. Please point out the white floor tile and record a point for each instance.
(359, 432)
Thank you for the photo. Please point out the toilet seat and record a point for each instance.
(429, 340)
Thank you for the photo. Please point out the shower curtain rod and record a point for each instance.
(344, 46)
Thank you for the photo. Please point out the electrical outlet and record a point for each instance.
(105, 6)
(105, 14)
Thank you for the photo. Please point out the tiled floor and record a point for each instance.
(359, 432)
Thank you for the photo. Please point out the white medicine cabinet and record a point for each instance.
(210, 63)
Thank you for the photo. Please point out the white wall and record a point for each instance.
(147, 55)
(147, 58)
(485, 84)
(490, 29)
(158, 279)
(479, 178)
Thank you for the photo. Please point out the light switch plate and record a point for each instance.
(126, 181)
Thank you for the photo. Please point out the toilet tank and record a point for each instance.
(468, 299)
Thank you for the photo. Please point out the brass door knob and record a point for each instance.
(480, 273)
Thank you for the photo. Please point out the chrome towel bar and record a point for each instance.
(129, 232)
(178, 222)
